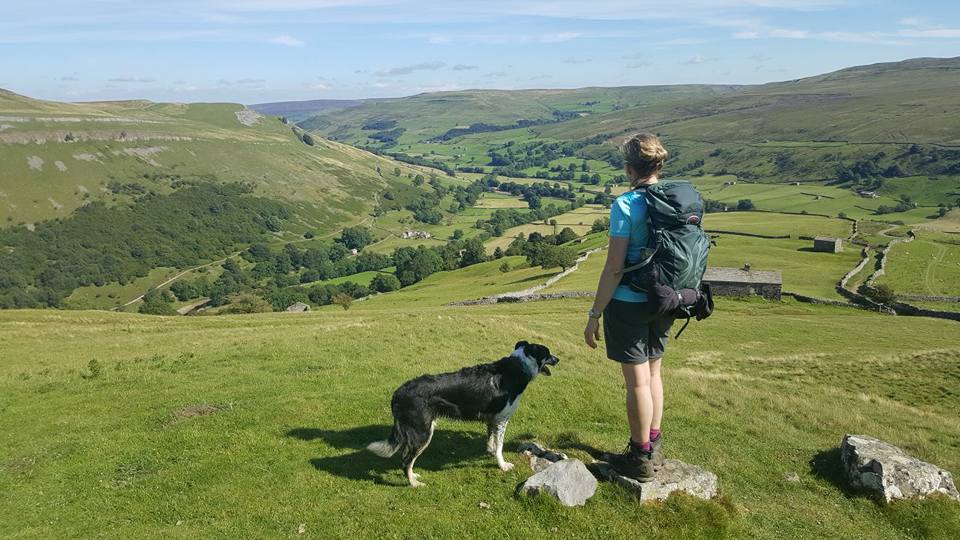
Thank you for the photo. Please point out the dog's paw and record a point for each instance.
(506, 466)
(416, 483)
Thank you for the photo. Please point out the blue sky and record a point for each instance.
(271, 50)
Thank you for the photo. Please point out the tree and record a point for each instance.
(498, 253)
(385, 283)
(550, 256)
(942, 211)
(343, 300)
(248, 303)
(356, 237)
(157, 303)
(505, 267)
(745, 204)
(183, 290)
(566, 235)
(418, 180)
(473, 252)
(533, 200)
(600, 225)
(259, 252)
(396, 171)
(882, 294)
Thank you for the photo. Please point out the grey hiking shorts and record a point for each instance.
(634, 332)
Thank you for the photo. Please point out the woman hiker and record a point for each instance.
(635, 335)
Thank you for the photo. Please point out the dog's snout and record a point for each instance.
(553, 360)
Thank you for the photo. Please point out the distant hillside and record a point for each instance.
(60, 156)
(425, 116)
(99, 193)
(301, 110)
(866, 127)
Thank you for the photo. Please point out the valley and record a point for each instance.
(206, 306)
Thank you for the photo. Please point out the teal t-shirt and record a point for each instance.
(628, 219)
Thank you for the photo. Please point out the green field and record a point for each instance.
(579, 220)
(249, 426)
(929, 265)
(777, 224)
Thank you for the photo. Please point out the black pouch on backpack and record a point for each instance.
(703, 307)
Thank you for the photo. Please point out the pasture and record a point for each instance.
(123, 425)
(929, 265)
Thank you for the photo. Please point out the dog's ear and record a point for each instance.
(520, 344)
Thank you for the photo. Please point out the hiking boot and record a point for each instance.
(633, 463)
(658, 458)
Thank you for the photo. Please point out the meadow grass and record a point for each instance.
(114, 294)
(777, 224)
(121, 425)
(803, 270)
(928, 265)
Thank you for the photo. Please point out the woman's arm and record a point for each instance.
(609, 280)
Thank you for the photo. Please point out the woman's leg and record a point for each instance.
(639, 400)
(656, 393)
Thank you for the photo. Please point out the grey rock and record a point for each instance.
(791, 477)
(891, 473)
(540, 458)
(568, 480)
(674, 476)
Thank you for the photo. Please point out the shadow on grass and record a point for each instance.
(826, 465)
(571, 441)
(447, 450)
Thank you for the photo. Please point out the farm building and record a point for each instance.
(744, 282)
(408, 234)
(298, 307)
(827, 244)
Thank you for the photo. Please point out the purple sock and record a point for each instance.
(645, 446)
(654, 433)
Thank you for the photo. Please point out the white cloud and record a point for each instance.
(931, 33)
(699, 59)
(760, 31)
(637, 65)
(286, 40)
(576, 60)
(406, 70)
(132, 80)
(464, 67)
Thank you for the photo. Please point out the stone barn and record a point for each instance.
(827, 244)
(744, 282)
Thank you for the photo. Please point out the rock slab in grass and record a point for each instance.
(540, 458)
(568, 480)
(888, 471)
(674, 476)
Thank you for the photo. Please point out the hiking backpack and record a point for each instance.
(671, 272)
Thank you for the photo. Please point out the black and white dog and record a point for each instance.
(487, 392)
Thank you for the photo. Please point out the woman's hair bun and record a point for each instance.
(644, 153)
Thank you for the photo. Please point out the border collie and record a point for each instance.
(487, 392)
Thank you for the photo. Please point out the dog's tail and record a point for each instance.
(386, 448)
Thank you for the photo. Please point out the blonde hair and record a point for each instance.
(645, 154)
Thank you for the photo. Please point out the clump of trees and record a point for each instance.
(100, 244)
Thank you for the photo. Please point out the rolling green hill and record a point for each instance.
(249, 426)
(60, 156)
(885, 127)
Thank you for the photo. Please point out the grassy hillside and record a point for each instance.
(253, 425)
(60, 156)
(885, 128)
